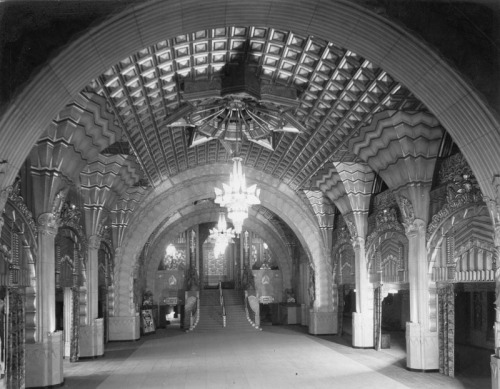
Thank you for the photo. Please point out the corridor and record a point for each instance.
(277, 357)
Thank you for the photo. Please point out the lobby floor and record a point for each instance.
(277, 357)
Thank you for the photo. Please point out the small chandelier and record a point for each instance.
(236, 197)
(222, 236)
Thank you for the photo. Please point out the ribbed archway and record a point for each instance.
(256, 223)
(198, 183)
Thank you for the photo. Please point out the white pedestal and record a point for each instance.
(362, 330)
(91, 340)
(422, 348)
(44, 362)
(124, 328)
(322, 323)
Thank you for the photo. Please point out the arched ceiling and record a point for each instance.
(337, 91)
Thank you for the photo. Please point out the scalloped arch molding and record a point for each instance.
(460, 110)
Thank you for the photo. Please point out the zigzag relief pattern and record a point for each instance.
(357, 179)
(322, 208)
(383, 122)
(92, 116)
(401, 148)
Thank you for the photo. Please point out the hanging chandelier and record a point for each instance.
(222, 236)
(236, 197)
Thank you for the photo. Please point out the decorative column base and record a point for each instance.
(495, 372)
(44, 362)
(362, 330)
(91, 340)
(124, 328)
(322, 323)
(304, 315)
(422, 348)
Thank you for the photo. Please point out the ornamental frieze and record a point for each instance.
(407, 211)
(456, 199)
(18, 203)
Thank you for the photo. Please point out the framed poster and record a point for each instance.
(148, 323)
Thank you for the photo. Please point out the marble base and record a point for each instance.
(91, 340)
(124, 328)
(44, 362)
(362, 330)
(322, 323)
(422, 348)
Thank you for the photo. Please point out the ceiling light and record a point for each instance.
(222, 236)
(236, 197)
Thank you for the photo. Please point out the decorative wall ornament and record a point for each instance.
(386, 216)
(384, 200)
(351, 225)
(312, 285)
(454, 167)
(457, 197)
(48, 223)
(70, 214)
(4, 195)
(386, 220)
(18, 202)
(407, 212)
(58, 203)
(446, 298)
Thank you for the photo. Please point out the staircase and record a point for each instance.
(211, 312)
(236, 317)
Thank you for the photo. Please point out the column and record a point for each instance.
(68, 321)
(362, 318)
(44, 359)
(91, 340)
(421, 344)
(494, 208)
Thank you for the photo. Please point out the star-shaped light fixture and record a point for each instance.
(236, 105)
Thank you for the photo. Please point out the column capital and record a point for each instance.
(48, 224)
(415, 227)
(94, 242)
(357, 242)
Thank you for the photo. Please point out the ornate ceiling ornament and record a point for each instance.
(237, 104)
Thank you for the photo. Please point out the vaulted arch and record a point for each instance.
(197, 184)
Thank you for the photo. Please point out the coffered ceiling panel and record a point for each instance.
(337, 92)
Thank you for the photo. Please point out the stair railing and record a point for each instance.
(221, 299)
(252, 309)
(192, 311)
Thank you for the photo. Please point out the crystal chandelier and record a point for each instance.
(222, 236)
(236, 197)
